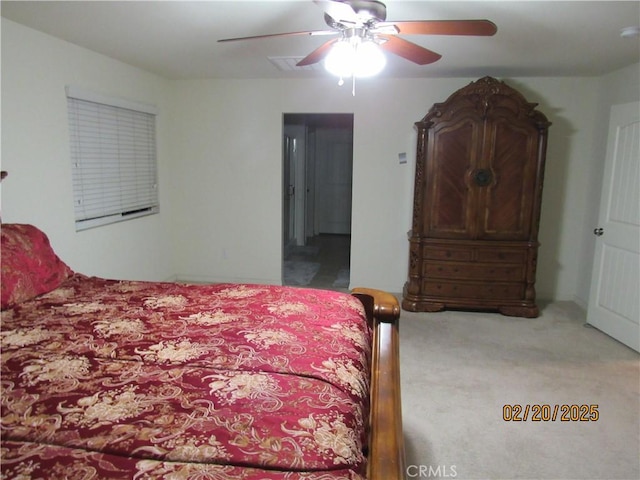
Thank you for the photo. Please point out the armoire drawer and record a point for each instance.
(475, 254)
(503, 255)
(449, 253)
(473, 271)
(435, 288)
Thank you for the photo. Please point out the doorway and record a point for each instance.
(317, 187)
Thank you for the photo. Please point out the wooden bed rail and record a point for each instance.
(386, 446)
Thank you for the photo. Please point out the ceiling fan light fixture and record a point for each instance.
(355, 57)
(370, 60)
(340, 59)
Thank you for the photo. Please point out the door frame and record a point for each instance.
(302, 126)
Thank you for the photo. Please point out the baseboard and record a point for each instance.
(581, 302)
(205, 279)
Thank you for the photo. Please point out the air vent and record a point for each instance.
(288, 64)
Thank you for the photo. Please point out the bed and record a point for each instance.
(115, 379)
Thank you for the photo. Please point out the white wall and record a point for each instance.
(227, 145)
(35, 152)
(220, 151)
(230, 182)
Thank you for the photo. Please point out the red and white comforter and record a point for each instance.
(113, 379)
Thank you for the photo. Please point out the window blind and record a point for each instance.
(113, 159)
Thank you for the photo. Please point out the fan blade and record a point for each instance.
(483, 28)
(317, 55)
(340, 12)
(289, 34)
(408, 50)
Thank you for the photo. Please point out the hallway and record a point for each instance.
(328, 255)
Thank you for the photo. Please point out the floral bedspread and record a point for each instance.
(110, 379)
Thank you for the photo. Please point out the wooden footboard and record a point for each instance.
(386, 445)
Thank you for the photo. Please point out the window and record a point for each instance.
(113, 158)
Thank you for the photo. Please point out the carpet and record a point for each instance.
(460, 369)
(342, 279)
(299, 273)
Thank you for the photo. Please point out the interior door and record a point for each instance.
(614, 307)
(334, 175)
(294, 185)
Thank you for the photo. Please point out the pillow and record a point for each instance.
(30, 267)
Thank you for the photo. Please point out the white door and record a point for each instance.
(614, 300)
(334, 175)
(294, 185)
(288, 192)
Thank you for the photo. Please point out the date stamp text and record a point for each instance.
(550, 413)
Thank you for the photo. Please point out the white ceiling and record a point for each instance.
(178, 39)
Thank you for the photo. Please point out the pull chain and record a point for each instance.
(353, 84)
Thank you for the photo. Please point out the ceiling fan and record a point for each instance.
(365, 20)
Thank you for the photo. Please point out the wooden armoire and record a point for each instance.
(476, 209)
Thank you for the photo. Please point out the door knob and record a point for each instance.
(598, 231)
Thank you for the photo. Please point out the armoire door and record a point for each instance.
(507, 180)
(614, 307)
(450, 207)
